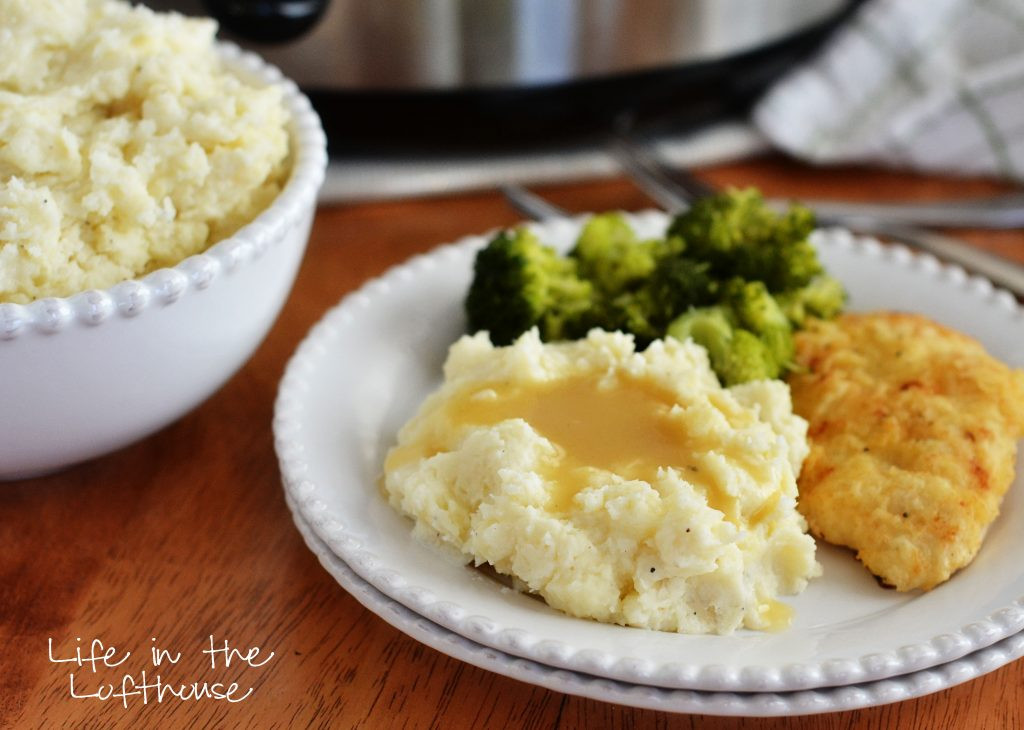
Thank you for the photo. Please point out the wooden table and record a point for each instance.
(186, 535)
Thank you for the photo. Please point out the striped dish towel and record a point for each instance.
(934, 85)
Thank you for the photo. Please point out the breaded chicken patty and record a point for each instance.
(913, 431)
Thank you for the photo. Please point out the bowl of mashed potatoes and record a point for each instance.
(156, 194)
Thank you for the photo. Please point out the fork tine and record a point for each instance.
(673, 189)
(647, 175)
(528, 204)
(689, 182)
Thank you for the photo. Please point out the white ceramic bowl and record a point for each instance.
(83, 375)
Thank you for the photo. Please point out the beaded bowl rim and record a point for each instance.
(167, 285)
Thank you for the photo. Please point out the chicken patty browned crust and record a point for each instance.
(913, 434)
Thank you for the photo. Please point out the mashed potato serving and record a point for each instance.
(627, 487)
(124, 144)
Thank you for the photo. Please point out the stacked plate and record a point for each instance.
(364, 369)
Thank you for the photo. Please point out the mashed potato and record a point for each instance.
(124, 146)
(621, 486)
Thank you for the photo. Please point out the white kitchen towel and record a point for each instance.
(934, 85)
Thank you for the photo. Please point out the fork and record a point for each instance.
(668, 183)
(675, 189)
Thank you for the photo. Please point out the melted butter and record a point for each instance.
(776, 614)
(622, 426)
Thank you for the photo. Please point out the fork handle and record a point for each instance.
(1000, 212)
(1000, 271)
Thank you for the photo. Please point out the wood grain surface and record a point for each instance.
(185, 536)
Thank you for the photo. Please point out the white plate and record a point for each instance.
(749, 704)
(363, 370)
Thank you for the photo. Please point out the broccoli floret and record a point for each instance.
(629, 312)
(739, 235)
(641, 285)
(519, 283)
(824, 298)
(736, 354)
(748, 359)
(755, 308)
(676, 284)
(611, 257)
(757, 311)
(710, 327)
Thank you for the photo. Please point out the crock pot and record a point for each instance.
(393, 73)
